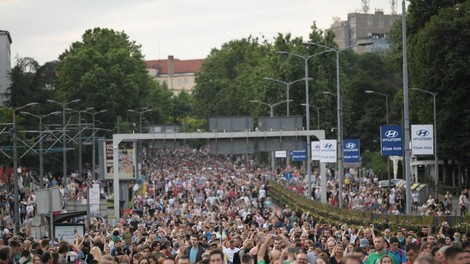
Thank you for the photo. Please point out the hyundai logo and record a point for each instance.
(422, 133)
(351, 145)
(328, 146)
(316, 147)
(391, 133)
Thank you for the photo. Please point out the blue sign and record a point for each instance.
(288, 176)
(351, 151)
(391, 140)
(299, 155)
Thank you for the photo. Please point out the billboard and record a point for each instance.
(422, 140)
(315, 150)
(391, 140)
(351, 151)
(328, 151)
(127, 160)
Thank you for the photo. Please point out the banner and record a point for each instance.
(328, 151)
(351, 151)
(422, 140)
(391, 140)
(298, 155)
(315, 150)
(127, 160)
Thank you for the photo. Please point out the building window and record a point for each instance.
(352, 22)
(370, 21)
(381, 23)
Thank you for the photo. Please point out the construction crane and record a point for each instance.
(393, 6)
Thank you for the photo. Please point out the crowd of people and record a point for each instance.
(193, 207)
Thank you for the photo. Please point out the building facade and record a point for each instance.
(364, 27)
(5, 63)
(178, 75)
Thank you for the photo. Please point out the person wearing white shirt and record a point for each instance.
(230, 251)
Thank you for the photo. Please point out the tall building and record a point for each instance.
(364, 27)
(179, 75)
(5, 63)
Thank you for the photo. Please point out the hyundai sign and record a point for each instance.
(422, 140)
(391, 140)
(328, 151)
(316, 154)
(298, 155)
(351, 151)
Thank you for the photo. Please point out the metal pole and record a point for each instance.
(406, 114)
(436, 165)
(308, 147)
(288, 103)
(15, 173)
(318, 118)
(340, 133)
(80, 169)
(64, 147)
(388, 158)
(41, 157)
(93, 147)
(273, 158)
(51, 215)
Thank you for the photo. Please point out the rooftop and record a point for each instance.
(179, 66)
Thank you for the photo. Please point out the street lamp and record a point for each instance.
(317, 108)
(79, 112)
(307, 115)
(436, 165)
(64, 140)
(140, 113)
(91, 111)
(15, 164)
(339, 112)
(271, 111)
(386, 118)
(287, 84)
(41, 135)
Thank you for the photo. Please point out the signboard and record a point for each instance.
(328, 151)
(351, 151)
(66, 232)
(315, 150)
(44, 198)
(422, 140)
(391, 140)
(280, 154)
(299, 155)
(127, 160)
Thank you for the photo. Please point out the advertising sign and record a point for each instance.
(299, 155)
(351, 151)
(422, 140)
(315, 150)
(127, 160)
(280, 154)
(391, 140)
(328, 151)
(66, 232)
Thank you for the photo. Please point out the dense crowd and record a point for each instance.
(193, 207)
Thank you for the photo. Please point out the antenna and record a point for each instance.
(393, 6)
(365, 6)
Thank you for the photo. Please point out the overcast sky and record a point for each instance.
(187, 29)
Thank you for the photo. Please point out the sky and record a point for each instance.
(187, 29)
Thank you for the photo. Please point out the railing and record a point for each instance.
(326, 214)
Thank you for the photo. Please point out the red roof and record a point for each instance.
(180, 66)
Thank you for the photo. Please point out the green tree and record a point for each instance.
(106, 71)
(21, 90)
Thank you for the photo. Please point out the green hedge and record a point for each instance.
(326, 214)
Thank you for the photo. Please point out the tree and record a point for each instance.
(21, 90)
(106, 71)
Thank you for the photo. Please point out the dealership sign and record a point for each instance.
(316, 154)
(422, 140)
(351, 151)
(328, 151)
(391, 140)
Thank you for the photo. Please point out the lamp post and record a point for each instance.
(64, 140)
(79, 112)
(436, 165)
(339, 112)
(15, 164)
(307, 114)
(93, 113)
(317, 108)
(387, 121)
(41, 151)
(140, 113)
(287, 84)
(271, 114)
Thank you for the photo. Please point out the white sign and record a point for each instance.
(66, 232)
(95, 194)
(328, 151)
(315, 150)
(422, 140)
(280, 154)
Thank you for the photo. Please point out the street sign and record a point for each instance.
(299, 155)
(351, 151)
(328, 151)
(391, 140)
(422, 140)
